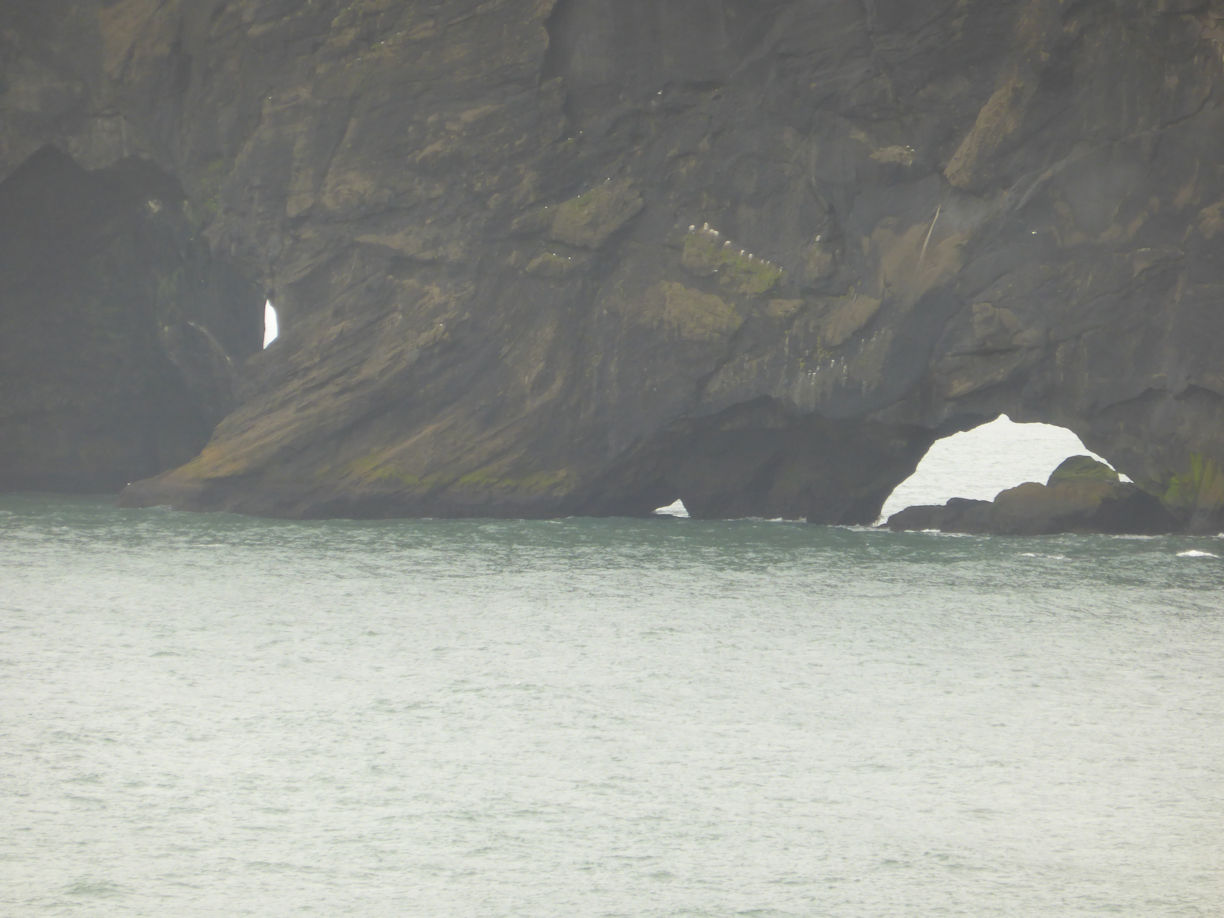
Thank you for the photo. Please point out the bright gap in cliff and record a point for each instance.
(980, 463)
(676, 508)
(271, 329)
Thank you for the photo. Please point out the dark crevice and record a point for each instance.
(120, 334)
(555, 25)
(761, 459)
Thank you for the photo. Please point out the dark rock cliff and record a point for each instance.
(567, 256)
(118, 332)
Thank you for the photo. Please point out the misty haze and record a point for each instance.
(570, 458)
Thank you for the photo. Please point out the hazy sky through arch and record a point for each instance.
(271, 326)
(980, 463)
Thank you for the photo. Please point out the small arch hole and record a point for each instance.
(271, 325)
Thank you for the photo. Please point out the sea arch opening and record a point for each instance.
(271, 324)
(981, 462)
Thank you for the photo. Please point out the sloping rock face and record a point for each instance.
(1081, 495)
(537, 257)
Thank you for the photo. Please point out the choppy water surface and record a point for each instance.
(210, 715)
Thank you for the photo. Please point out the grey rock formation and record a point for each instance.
(565, 256)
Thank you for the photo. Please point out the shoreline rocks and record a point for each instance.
(1081, 495)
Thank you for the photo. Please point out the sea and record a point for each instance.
(214, 715)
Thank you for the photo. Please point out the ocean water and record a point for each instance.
(211, 715)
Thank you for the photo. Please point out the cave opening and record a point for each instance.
(760, 459)
(270, 324)
(981, 462)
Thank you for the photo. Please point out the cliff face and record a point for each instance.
(120, 333)
(118, 330)
(564, 256)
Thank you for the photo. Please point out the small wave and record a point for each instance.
(1195, 553)
(1048, 557)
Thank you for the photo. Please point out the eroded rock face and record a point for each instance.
(564, 256)
(118, 331)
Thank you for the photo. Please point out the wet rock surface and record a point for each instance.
(563, 256)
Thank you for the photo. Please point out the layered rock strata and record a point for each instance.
(536, 257)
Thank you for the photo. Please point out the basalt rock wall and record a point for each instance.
(538, 257)
(121, 334)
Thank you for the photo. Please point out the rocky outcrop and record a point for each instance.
(1081, 495)
(564, 256)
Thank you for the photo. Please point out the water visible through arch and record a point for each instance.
(980, 463)
(271, 326)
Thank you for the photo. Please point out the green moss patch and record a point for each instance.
(375, 470)
(485, 480)
(588, 220)
(695, 315)
(1081, 468)
(706, 254)
(1201, 487)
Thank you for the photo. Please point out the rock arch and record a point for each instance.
(977, 464)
